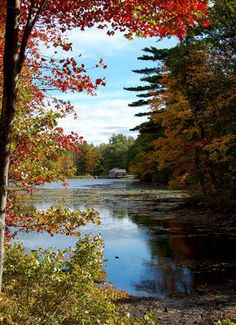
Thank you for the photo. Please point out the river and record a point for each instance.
(148, 252)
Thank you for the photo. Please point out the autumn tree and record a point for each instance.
(200, 114)
(199, 126)
(40, 153)
(196, 109)
(92, 158)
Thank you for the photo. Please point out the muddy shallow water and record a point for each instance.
(149, 250)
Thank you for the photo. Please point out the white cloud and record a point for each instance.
(98, 120)
(93, 43)
(108, 112)
(101, 94)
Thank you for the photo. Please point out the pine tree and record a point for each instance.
(143, 164)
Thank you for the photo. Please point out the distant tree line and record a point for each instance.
(98, 160)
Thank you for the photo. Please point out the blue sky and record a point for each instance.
(107, 113)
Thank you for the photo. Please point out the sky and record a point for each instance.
(108, 112)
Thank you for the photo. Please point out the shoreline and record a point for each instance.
(201, 308)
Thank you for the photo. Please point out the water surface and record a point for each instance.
(148, 253)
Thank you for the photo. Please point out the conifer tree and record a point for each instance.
(143, 165)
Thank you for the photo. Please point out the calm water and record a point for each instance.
(147, 251)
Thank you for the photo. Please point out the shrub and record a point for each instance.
(225, 322)
(47, 287)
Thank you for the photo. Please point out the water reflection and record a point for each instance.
(166, 279)
(147, 253)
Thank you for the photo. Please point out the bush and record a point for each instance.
(225, 322)
(58, 287)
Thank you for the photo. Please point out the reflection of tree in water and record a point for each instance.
(171, 251)
(162, 275)
(119, 212)
(163, 280)
(184, 243)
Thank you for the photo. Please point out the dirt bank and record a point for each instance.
(198, 309)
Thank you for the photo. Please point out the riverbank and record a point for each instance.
(202, 309)
(211, 301)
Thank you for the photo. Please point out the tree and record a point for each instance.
(116, 153)
(201, 93)
(41, 153)
(199, 126)
(97, 160)
(152, 78)
(29, 22)
(197, 115)
(194, 109)
(90, 162)
(144, 165)
(92, 159)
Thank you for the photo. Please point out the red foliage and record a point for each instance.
(123, 15)
(47, 21)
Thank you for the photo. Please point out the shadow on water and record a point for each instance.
(148, 251)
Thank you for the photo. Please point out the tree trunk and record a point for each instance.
(10, 75)
(200, 172)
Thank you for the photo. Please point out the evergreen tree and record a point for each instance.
(143, 165)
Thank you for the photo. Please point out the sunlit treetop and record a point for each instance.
(142, 17)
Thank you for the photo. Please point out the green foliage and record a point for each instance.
(58, 219)
(58, 287)
(224, 322)
(116, 153)
(61, 288)
(98, 160)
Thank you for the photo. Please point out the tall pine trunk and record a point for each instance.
(200, 172)
(10, 78)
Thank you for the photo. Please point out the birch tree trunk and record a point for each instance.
(10, 78)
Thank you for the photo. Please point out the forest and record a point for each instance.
(187, 142)
(188, 97)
